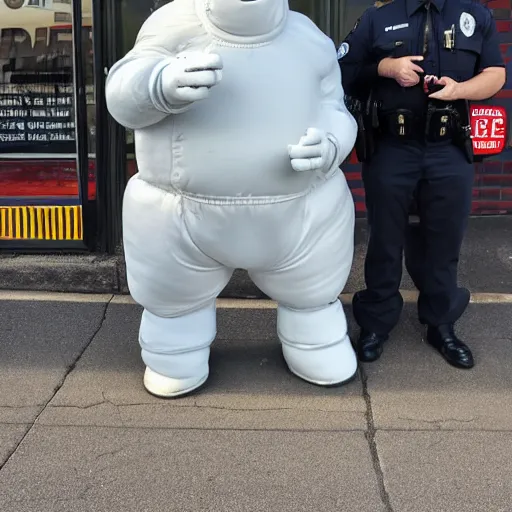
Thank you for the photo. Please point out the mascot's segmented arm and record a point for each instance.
(156, 79)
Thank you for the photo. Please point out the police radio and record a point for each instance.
(430, 85)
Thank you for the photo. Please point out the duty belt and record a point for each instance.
(438, 125)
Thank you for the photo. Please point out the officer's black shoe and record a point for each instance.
(444, 340)
(369, 347)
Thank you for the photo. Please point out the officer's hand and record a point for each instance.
(403, 70)
(450, 91)
(189, 76)
(314, 152)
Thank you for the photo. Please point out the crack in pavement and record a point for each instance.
(206, 429)
(261, 429)
(370, 436)
(61, 383)
(199, 406)
(439, 423)
(111, 453)
(20, 406)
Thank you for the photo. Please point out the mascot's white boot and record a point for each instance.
(179, 347)
(240, 128)
(316, 345)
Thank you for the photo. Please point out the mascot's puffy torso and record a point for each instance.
(270, 91)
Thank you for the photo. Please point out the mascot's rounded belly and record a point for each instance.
(235, 142)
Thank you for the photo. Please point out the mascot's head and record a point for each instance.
(252, 19)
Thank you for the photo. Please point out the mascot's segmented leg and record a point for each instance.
(177, 285)
(176, 351)
(316, 345)
(311, 323)
(226, 153)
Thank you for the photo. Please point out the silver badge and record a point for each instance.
(467, 24)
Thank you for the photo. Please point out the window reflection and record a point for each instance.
(36, 77)
(37, 103)
(36, 85)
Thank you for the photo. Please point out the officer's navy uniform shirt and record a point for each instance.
(397, 29)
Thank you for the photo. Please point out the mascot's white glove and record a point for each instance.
(188, 77)
(314, 152)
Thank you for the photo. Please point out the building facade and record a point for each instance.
(64, 162)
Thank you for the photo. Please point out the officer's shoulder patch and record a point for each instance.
(382, 3)
(343, 50)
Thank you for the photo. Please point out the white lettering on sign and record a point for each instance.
(38, 113)
(11, 102)
(12, 125)
(12, 137)
(35, 125)
(13, 113)
(487, 112)
(494, 128)
(396, 27)
(482, 144)
(60, 136)
(39, 137)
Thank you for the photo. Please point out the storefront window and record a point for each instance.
(38, 127)
(36, 91)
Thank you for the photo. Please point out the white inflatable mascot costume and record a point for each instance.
(240, 128)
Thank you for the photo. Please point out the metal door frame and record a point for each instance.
(81, 123)
(110, 136)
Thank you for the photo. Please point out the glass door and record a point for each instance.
(46, 126)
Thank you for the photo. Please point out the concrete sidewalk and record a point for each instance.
(485, 266)
(79, 433)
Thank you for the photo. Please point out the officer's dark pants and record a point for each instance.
(443, 179)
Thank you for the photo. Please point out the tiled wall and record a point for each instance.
(492, 193)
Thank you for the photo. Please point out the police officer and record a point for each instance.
(413, 65)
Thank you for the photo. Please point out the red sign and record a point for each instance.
(488, 129)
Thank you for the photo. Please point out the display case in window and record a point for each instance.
(40, 165)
